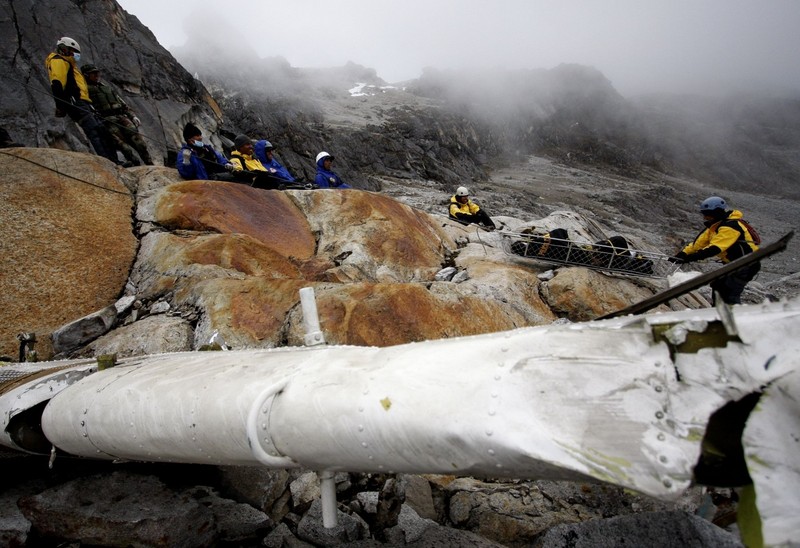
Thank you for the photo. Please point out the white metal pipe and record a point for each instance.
(327, 487)
(313, 332)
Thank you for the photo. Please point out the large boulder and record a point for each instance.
(124, 510)
(68, 243)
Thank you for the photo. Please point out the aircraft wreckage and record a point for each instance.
(653, 403)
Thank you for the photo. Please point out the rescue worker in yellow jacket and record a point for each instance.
(725, 237)
(464, 210)
(247, 168)
(72, 95)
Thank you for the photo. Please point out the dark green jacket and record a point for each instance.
(106, 100)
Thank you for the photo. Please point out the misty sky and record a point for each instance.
(686, 46)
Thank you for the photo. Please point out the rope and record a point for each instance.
(54, 170)
(161, 143)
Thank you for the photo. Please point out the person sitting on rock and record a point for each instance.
(120, 121)
(464, 210)
(72, 96)
(199, 161)
(325, 177)
(263, 150)
(249, 169)
(725, 236)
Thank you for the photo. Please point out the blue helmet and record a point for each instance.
(712, 203)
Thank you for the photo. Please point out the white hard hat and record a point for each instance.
(462, 191)
(322, 155)
(69, 42)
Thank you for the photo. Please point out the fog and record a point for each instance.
(709, 47)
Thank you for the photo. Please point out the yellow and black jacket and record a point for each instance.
(66, 81)
(456, 208)
(728, 239)
(246, 162)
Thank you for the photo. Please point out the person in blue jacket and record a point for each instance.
(197, 160)
(263, 151)
(325, 177)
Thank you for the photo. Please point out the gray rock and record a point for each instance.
(122, 509)
(151, 335)
(419, 495)
(411, 525)
(368, 501)
(282, 537)
(445, 274)
(462, 276)
(124, 303)
(305, 489)
(262, 488)
(655, 530)
(160, 307)
(447, 536)
(348, 528)
(84, 330)
(14, 528)
(236, 522)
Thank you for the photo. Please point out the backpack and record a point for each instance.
(741, 225)
(753, 234)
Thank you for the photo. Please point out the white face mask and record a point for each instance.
(76, 56)
(199, 144)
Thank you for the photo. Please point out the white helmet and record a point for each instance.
(322, 155)
(462, 191)
(69, 42)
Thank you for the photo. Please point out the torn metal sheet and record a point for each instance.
(626, 401)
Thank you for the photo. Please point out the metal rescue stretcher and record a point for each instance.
(612, 255)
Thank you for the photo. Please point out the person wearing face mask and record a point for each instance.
(72, 95)
(197, 160)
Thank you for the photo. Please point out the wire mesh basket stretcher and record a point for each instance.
(611, 255)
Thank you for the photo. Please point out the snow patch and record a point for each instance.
(363, 89)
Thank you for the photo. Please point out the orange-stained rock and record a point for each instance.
(267, 215)
(581, 294)
(371, 237)
(166, 258)
(248, 313)
(67, 242)
(368, 314)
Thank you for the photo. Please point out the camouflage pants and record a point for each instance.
(126, 138)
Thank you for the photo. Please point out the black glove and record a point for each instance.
(679, 258)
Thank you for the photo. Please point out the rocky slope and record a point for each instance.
(193, 258)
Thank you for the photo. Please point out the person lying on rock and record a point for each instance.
(264, 151)
(120, 121)
(247, 168)
(197, 160)
(727, 236)
(326, 178)
(464, 210)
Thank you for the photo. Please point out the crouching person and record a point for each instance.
(728, 237)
